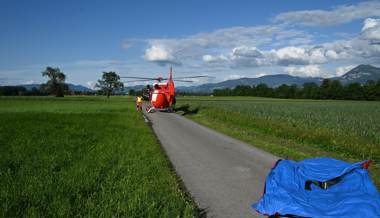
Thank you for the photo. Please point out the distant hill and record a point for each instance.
(270, 80)
(72, 87)
(360, 74)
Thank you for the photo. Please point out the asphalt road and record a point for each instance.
(223, 175)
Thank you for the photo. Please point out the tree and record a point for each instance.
(377, 90)
(109, 82)
(282, 91)
(131, 92)
(263, 90)
(311, 90)
(353, 91)
(241, 90)
(336, 89)
(12, 90)
(370, 90)
(56, 83)
(326, 89)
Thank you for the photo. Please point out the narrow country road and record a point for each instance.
(223, 175)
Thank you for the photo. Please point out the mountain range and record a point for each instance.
(72, 87)
(361, 74)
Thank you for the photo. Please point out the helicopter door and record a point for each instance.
(154, 96)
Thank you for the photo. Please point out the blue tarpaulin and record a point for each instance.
(320, 187)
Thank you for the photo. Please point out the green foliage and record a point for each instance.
(110, 81)
(12, 90)
(132, 92)
(56, 83)
(297, 128)
(83, 157)
(329, 89)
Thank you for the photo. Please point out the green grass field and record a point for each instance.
(296, 129)
(83, 156)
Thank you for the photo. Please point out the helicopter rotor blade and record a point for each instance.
(136, 77)
(138, 80)
(190, 77)
(182, 80)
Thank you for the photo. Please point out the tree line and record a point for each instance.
(54, 86)
(328, 89)
(108, 84)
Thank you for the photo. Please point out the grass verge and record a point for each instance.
(83, 156)
(295, 129)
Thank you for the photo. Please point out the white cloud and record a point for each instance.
(371, 30)
(214, 59)
(338, 15)
(244, 51)
(233, 77)
(204, 44)
(253, 57)
(363, 48)
(370, 23)
(244, 56)
(301, 56)
(331, 54)
(160, 55)
(260, 74)
(275, 45)
(344, 69)
(305, 71)
(91, 84)
(29, 82)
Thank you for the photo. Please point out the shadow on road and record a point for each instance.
(185, 109)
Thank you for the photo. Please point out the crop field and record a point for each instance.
(295, 129)
(83, 156)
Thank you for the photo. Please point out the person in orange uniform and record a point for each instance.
(139, 103)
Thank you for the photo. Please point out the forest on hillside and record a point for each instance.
(328, 89)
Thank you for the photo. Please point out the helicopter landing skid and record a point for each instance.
(153, 109)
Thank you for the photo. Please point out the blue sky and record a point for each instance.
(223, 39)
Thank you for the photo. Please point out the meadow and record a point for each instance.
(295, 129)
(83, 157)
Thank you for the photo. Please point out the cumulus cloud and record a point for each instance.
(214, 59)
(276, 45)
(301, 56)
(244, 51)
(305, 71)
(365, 46)
(247, 57)
(253, 57)
(233, 77)
(160, 55)
(371, 30)
(29, 82)
(339, 15)
(260, 74)
(204, 44)
(343, 69)
(91, 84)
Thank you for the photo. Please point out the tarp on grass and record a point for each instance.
(320, 187)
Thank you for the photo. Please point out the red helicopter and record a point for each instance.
(162, 95)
